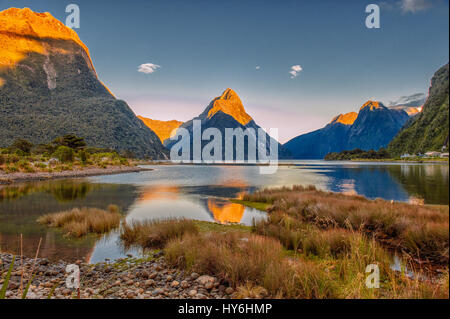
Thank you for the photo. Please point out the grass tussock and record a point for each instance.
(82, 221)
(155, 233)
(256, 264)
(421, 231)
(319, 263)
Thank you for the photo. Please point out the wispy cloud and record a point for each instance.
(258, 67)
(407, 6)
(413, 6)
(416, 99)
(295, 70)
(148, 68)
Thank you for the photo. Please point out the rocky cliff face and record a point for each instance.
(227, 111)
(372, 128)
(163, 129)
(429, 130)
(49, 87)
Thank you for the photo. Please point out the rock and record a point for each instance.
(192, 293)
(184, 284)
(194, 276)
(174, 284)
(149, 283)
(153, 275)
(229, 291)
(206, 280)
(157, 292)
(201, 296)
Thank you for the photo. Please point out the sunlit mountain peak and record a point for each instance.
(229, 103)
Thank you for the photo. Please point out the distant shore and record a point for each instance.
(39, 176)
(393, 160)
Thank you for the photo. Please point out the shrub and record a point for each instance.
(83, 156)
(22, 145)
(64, 154)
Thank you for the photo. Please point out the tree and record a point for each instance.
(70, 140)
(22, 145)
(64, 154)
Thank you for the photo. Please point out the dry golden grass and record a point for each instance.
(421, 231)
(328, 263)
(155, 233)
(252, 261)
(81, 221)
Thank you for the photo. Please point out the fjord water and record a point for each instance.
(195, 192)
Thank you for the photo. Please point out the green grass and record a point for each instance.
(205, 227)
(257, 205)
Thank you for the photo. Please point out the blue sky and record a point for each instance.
(206, 46)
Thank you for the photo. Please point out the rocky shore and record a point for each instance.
(128, 278)
(38, 176)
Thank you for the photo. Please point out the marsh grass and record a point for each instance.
(82, 221)
(155, 233)
(253, 263)
(422, 231)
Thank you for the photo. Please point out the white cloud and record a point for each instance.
(414, 6)
(295, 70)
(148, 68)
(258, 67)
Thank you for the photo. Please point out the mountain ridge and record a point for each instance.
(50, 88)
(372, 128)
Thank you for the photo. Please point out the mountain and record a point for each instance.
(372, 128)
(49, 88)
(430, 129)
(227, 111)
(375, 126)
(317, 144)
(162, 129)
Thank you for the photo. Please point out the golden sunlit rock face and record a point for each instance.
(226, 213)
(372, 105)
(413, 110)
(163, 129)
(347, 119)
(230, 103)
(2, 82)
(22, 32)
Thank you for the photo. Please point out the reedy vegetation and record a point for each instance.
(421, 231)
(79, 222)
(330, 264)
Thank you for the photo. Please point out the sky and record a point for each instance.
(294, 64)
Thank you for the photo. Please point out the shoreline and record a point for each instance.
(6, 179)
(127, 278)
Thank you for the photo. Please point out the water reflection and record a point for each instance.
(193, 192)
(21, 206)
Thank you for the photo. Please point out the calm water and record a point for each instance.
(197, 192)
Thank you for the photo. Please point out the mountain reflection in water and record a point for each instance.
(194, 192)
